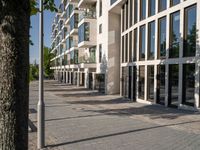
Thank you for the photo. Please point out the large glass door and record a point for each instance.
(161, 85)
(173, 85)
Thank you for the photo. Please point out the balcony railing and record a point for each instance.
(89, 60)
(91, 14)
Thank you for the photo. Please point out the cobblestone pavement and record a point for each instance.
(79, 119)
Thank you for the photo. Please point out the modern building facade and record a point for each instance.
(146, 50)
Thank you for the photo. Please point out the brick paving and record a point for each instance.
(79, 119)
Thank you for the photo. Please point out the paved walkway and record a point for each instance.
(79, 119)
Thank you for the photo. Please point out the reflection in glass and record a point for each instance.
(152, 5)
(188, 84)
(151, 40)
(174, 2)
(141, 82)
(174, 35)
(142, 9)
(142, 42)
(190, 32)
(162, 5)
(135, 43)
(135, 11)
(150, 83)
(173, 85)
(161, 84)
(162, 37)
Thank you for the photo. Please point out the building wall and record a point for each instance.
(127, 51)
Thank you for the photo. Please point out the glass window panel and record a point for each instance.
(162, 37)
(152, 5)
(173, 85)
(174, 2)
(130, 46)
(188, 84)
(190, 32)
(142, 9)
(135, 11)
(151, 40)
(162, 5)
(150, 83)
(141, 82)
(135, 43)
(161, 84)
(142, 42)
(174, 35)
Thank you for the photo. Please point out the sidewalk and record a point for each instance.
(79, 119)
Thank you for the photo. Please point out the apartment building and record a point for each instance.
(146, 50)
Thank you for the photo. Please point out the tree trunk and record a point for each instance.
(14, 72)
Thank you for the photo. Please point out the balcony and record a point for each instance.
(85, 3)
(87, 34)
(74, 24)
(89, 14)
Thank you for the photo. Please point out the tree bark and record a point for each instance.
(14, 74)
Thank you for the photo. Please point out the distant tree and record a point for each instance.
(47, 62)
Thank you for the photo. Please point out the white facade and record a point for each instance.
(141, 49)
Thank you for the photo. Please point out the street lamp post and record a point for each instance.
(41, 105)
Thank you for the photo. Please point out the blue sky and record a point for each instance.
(34, 32)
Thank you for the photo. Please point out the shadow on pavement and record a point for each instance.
(116, 134)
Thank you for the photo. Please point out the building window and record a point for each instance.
(188, 84)
(127, 19)
(135, 42)
(100, 8)
(174, 2)
(100, 53)
(135, 11)
(130, 46)
(123, 18)
(84, 32)
(152, 5)
(151, 40)
(141, 82)
(142, 9)
(190, 32)
(173, 85)
(162, 37)
(131, 13)
(174, 35)
(161, 84)
(142, 42)
(100, 28)
(162, 5)
(122, 49)
(126, 47)
(150, 83)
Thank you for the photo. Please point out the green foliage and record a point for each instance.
(48, 5)
(33, 72)
(47, 62)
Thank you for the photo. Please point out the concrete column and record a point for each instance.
(166, 84)
(146, 83)
(180, 84)
(197, 81)
(78, 78)
(155, 83)
(66, 76)
(86, 78)
(94, 80)
(70, 82)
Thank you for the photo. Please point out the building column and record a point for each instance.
(70, 82)
(180, 85)
(94, 80)
(86, 78)
(78, 77)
